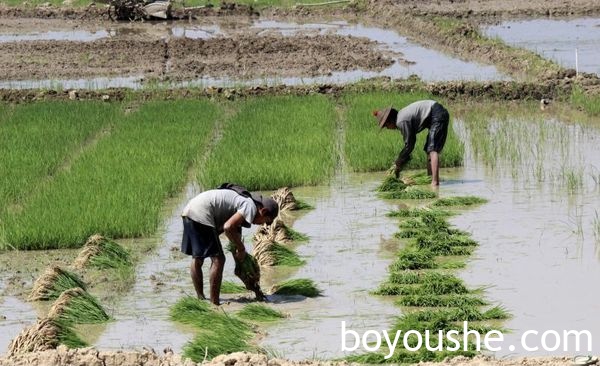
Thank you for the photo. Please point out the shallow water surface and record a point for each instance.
(564, 41)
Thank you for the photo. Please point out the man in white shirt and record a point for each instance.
(206, 216)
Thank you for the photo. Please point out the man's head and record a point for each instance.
(385, 117)
(268, 209)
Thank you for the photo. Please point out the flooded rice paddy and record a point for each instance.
(570, 42)
(408, 58)
(538, 257)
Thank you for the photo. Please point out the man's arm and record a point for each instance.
(233, 231)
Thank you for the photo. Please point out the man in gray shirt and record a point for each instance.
(218, 211)
(413, 119)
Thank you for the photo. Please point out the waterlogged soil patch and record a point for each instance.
(182, 58)
(250, 56)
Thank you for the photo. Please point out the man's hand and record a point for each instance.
(240, 255)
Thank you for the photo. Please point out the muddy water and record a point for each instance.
(564, 41)
(14, 316)
(539, 239)
(409, 58)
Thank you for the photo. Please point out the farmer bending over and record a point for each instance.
(211, 213)
(411, 120)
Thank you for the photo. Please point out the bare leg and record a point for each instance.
(197, 279)
(435, 168)
(429, 165)
(216, 277)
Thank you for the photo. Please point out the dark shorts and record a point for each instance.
(200, 241)
(438, 131)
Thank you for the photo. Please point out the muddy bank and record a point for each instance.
(500, 90)
(89, 356)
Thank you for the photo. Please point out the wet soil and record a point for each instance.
(238, 57)
(63, 357)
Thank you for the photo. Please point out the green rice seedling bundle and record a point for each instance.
(443, 245)
(260, 313)
(407, 233)
(218, 332)
(496, 312)
(391, 184)
(118, 185)
(302, 205)
(228, 287)
(289, 141)
(39, 139)
(248, 271)
(409, 194)
(53, 282)
(412, 277)
(418, 179)
(411, 258)
(418, 212)
(46, 334)
(453, 300)
(77, 306)
(449, 285)
(284, 256)
(101, 252)
(303, 286)
(459, 201)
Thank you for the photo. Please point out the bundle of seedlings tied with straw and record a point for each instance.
(44, 335)
(101, 252)
(268, 247)
(53, 282)
(77, 306)
(286, 200)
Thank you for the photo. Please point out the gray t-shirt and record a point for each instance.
(213, 208)
(411, 120)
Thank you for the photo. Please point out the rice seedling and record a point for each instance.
(303, 286)
(118, 186)
(391, 184)
(418, 179)
(260, 313)
(418, 277)
(294, 235)
(446, 244)
(101, 252)
(290, 141)
(38, 139)
(53, 282)
(228, 287)
(453, 300)
(302, 205)
(283, 256)
(369, 149)
(409, 194)
(46, 334)
(418, 212)
(77, 306)
(411, 258)
(434, 285)
(218, 332)
(587, 102)
(459, 201)
(497, 312)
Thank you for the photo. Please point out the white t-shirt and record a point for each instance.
(213, 208)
